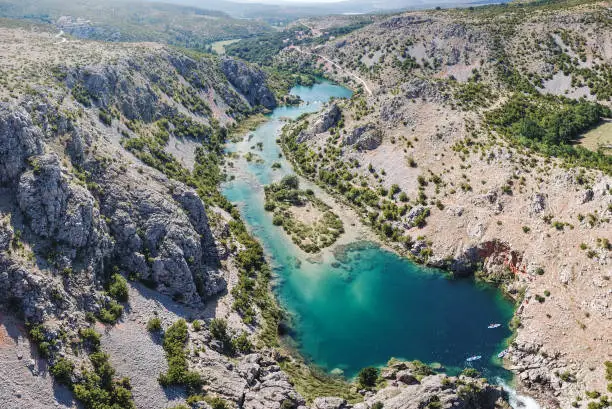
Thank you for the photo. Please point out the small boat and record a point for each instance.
(494, 326)
(502, 353)
(473, 358)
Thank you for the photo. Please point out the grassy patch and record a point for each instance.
(598, 138)
(249, 124)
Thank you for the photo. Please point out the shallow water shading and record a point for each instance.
(363, 305)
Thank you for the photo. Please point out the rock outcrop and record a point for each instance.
(249, 81)
(165, 240)
(322, 123)
(19, 140)
(366, 137)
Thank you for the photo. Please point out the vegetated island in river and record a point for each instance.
(308, 220)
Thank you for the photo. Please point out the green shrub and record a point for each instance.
(196, 325)
(105, 117)
(37, 334)
(154, 325)
(62, 371)
(98, 390)
(175, 340)
(421, 369)
(111, 313)
(567, 377)
(218, 329)
(242, 344)
(470, 372)
(193, 399)
(216, 402)
(592, 394)
(90, 336)
(288, 404)
(103, 368)
(43, 349)
(290, 181)
(118, 288)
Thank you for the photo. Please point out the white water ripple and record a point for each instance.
(517, 401)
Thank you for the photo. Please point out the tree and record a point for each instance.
(290, 181)
(218, 329)
(367, 376)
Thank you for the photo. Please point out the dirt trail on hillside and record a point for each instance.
(355, 76)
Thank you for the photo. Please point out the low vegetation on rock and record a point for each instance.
(308, 220)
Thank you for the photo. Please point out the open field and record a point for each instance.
(600, 136)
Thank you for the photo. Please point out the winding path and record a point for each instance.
(60, 35)
(359, 79)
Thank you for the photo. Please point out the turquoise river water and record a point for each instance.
(360, 306)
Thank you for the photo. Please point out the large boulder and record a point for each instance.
(327, 119)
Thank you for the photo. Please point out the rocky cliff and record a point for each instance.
(90, 190)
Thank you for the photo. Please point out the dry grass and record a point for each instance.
(600, 137)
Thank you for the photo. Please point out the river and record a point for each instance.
(361, 305)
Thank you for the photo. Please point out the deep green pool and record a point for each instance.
(365, 305)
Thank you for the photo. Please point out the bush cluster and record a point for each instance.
(175, 340)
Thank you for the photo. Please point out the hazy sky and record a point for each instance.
(290, 1)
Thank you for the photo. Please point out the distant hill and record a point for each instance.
(279, 11)
(136, 20)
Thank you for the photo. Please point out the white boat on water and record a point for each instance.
(494, 326)
(473, 358)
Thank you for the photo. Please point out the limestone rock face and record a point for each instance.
(322, 123)
(19, 139)
(366, 137)
(537, 204)
(56, 208)
(249, 81)
(329, 403)
(254, 382)
(158, 230)
(103, 85)
(164, 239)
(327, 119)
(438, 388)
